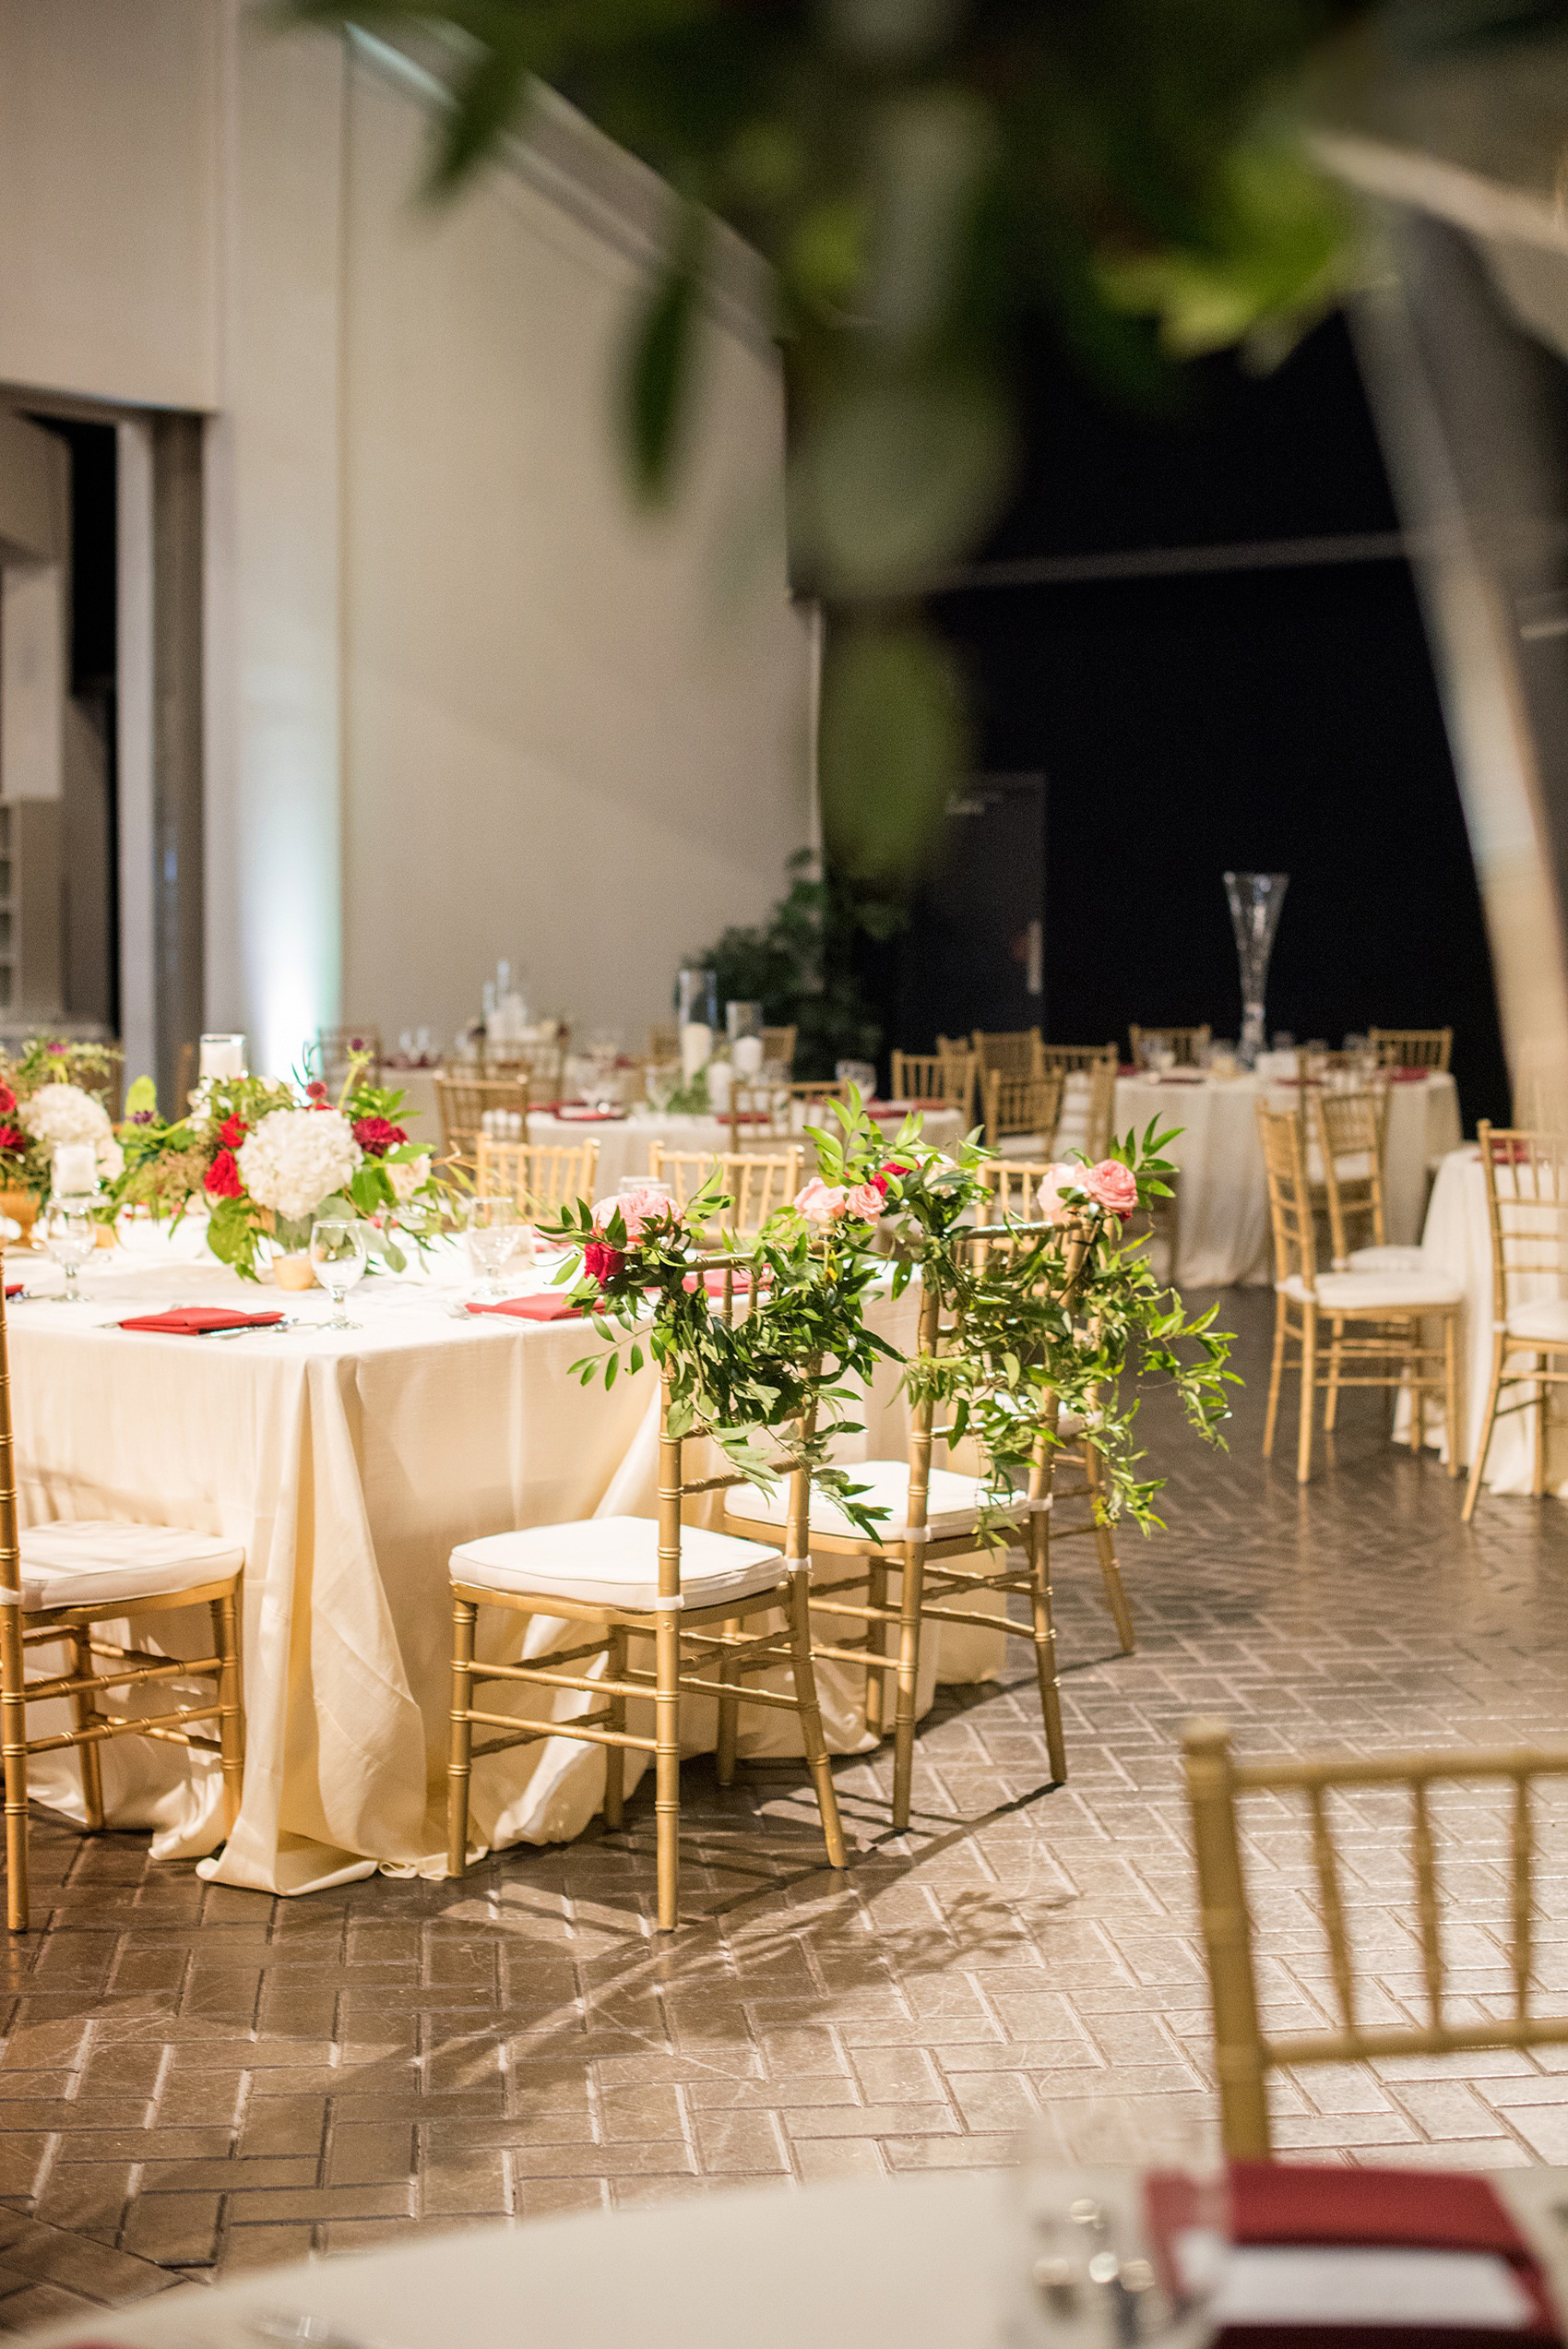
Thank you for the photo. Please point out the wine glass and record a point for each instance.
(1123, 2212)
(337, 1253)
(493, 1228)
(70, 1235)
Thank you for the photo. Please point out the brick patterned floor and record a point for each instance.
(194, 2080)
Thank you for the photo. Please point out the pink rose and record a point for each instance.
(866, 1201)
(636, 1209)
(1111, 1186)
(822, 1203)
(1053, 1207)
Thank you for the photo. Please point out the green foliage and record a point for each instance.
(799, 965)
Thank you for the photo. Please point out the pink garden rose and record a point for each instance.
(1057, 1178)
(636, 1209)
(1111, 1186)
(866, 1201)
(822, 1203)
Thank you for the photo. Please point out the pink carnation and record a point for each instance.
(1111, 1186)
(866, 1201)
(1056, 1179)
(822, 1203)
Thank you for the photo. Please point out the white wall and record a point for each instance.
(461, 702)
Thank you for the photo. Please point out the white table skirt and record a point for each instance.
(350, 1466)
(1458, 1243)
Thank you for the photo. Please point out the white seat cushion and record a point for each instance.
(1387, 1259)
(953, 1502)
(89, 1562)
(1374, 1291)
(1544, 1318)
(613, 1562)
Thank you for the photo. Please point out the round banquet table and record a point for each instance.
(1223, 1197)
(350, 1465)
(926, 2261)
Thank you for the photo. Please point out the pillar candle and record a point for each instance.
(696, 1047)
(746, 1055)
(223, 1056)
(76, 1169)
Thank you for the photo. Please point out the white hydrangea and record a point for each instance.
(296, 1158)
(59, 1114)
(407, 1174)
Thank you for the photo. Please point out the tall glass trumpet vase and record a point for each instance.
(1255, 901)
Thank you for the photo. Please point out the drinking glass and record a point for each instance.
(338, 1254)
(1124, 2215)
(70, 1235)
(860, 1073)
(492, 1230)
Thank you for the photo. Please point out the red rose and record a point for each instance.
(13, 1139)
(223, 1177)
(233, 1132)
(7, 1101)
(893, 1167)
(376, 1136)
(604, 1262)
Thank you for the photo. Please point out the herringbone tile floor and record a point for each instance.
(195, 2080)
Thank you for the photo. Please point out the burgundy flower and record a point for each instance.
(7, 1101)
(604, 1262)
(57, 1052)
(223, 1177)
(13, 1139)
(233, 1132)
(376, 1136)
(143, 1116)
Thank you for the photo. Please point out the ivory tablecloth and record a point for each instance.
(348, 1466)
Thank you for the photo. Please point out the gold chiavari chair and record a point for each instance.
(757, 1187)
(937, 1079)
(541, 1065)
(334, 1051)
(1011, 1185)
(1526, 1194)
(690, 1592)
(1089, 1095)
(1412, 1047)
(1348, 1131)
(543, 1177)
(1010, 1052)
(1244, 2051)
(934, 1519)
(664, 1041)
(778, 1045)
(1374, 1319)
(1026, 1108)
(464, 1103)
(1186, 1043)
(58, 1583)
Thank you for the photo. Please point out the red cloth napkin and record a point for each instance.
(1300, 2203)
(14, 1288)
(1407, 1076)
(551, 1305)
(570, 1115)
(197, 1320)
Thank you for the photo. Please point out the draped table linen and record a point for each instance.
(349, 1464)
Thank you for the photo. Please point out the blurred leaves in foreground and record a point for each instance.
(927, 178)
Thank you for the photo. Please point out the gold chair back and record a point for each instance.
(333, 1051)
(1011, 1052)
(758, 1186)
(1089, 1095)
(541, 1065)
(1244, 2051)
(664, 1041)
(779, 1044)
(464, 1103)
(1026, 1105)
(931, 1077)
(1289, 1197)
(1187, 1043)
(1412, 1047)
(1527, 1196)
(543, 1177)
(1347, 1129)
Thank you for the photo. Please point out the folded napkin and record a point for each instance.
(200, 1320)
(14, 1288)
(899, 1108)
(1407, 1076)
(549, 1304)
(1437, 2247)
(573, 1113)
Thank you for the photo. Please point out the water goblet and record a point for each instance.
(493, 1228)
(338, 1254)
(70, 1235)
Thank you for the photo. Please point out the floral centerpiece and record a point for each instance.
(265, 1158)
(52, 1092)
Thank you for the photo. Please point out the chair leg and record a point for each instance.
(459, 1752)
(230, 1704)
(84, 1712)
(1277, 1373)
(1044, 1626)
(877, 1645)
(1309, 1396)
(1331, 1403)
(1483, 1443)
(616, 1756)
(911, 1599)
(729, 1714)
(1537, 1473)
(666, 1767)
(1451, 1389)
(811, 1717)
(14, 1746)
(1110, 1564)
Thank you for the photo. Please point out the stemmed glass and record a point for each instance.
(338, 1252)
(492, 1232)
(71, 1235)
